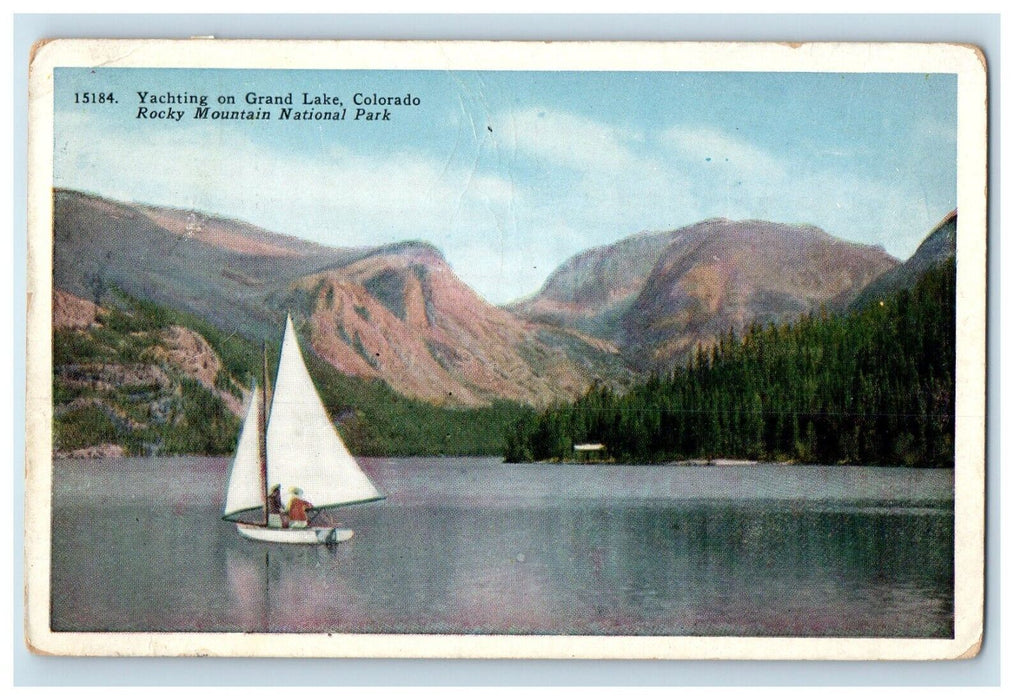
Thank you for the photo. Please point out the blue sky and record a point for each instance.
(510, 173)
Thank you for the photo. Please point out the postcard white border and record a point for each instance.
(965, 61)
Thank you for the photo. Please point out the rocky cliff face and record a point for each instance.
(593, 290)
(403, 316)
(72, 312)
(722, 274)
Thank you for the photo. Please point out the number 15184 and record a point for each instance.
(86, 98)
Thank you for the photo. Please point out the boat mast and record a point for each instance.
(263, 422)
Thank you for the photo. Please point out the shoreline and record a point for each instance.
(92, 454)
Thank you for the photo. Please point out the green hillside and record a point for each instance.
(113, 385)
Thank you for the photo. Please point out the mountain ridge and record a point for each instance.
(398, 312)
(686, 285)
(395, 312)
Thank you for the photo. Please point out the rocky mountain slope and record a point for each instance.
(218, 269)
(125, 383)
(594, 289)
(396, 313)
(658, 295)
(403, 316)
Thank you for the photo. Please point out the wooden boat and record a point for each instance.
(295, 445)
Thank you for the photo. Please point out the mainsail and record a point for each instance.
(303, 449)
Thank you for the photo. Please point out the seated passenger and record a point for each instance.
(274, 507)
(296, 509)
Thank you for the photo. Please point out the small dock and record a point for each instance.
(590, 452)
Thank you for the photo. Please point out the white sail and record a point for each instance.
(244, 490)
(303, 449)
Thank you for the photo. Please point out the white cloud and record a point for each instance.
(342, 198)
(565, 139)
(231, 174)
(506, 211)
(585, 175)
(706, 145)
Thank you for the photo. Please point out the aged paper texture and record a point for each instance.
(466, 349)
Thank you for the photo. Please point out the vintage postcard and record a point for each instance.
(559, 350)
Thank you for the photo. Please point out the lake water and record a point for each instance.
(469, 545)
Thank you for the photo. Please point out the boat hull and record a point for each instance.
(310, 535)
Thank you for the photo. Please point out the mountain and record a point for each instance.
(218, 269)
(657, 296)
(402, 315)
(593, 289)
(396, 313)
(937, 247)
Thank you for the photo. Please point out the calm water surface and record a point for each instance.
(469, 545)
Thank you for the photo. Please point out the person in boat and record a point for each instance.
(275, 508)
(297, 509)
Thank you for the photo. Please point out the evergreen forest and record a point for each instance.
(871, 387)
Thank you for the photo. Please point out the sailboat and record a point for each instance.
(294, 445)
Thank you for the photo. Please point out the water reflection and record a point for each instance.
(581, 566)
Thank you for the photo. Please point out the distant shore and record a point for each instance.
(109, 451)
(703, 462)
(714, 463)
